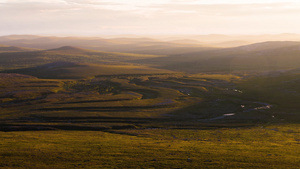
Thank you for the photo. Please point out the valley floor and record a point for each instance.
(144, 121)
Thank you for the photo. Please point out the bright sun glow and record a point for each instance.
(149, 17)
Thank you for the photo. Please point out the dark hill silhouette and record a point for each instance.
(68, 48)
(267, 56)
(72, 50)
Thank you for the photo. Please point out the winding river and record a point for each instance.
(263, 106)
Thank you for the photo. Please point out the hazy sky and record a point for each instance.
(96, 17)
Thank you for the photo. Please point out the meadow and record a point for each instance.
(272, 146)
(71, 107)
(140, 121)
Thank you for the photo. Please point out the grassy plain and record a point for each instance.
(141, 121)
(275, 146)
(78, 108)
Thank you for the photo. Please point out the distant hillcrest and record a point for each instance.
(265, 56)
(5, 48)
(191, 54)
(72, 49)
(137, 45)
(269, 45)
(63, 48)
(65, 54)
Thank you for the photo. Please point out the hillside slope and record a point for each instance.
(267, 56)
(63, 54)
(72, 70)
(5, 48)
(124, 45)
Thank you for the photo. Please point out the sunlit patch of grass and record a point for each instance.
(258, 147)
(226, 77)
(16, 88)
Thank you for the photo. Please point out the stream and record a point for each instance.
(263, 106)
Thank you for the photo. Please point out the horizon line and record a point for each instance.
(129, 34)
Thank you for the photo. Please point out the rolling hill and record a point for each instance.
(69, 107)
(125, 45)
(4, 48)
(260, 57)
(70, 62)
(266, 56)
(76, 70)
(63, 54)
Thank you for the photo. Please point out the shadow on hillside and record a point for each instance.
(96, 123)
(101, 109)
(94, 101)
(109, 124)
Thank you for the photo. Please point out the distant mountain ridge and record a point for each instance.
(124, 45)
(175, 56)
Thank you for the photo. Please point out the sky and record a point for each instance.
(115, 17)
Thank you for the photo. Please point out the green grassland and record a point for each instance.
(76, 108)
(142, 121)
(256, 147)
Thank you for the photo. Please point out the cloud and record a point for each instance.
(235, 10)
(214, 2)
(153, 16)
